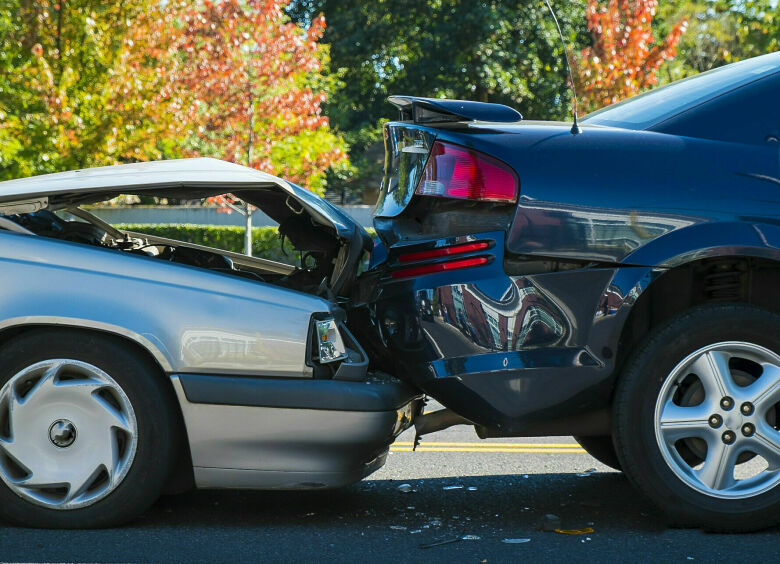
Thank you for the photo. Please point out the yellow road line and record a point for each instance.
(515, 450)
(493, 445)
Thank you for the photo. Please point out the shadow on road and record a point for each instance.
(373, 522)
(509, 501)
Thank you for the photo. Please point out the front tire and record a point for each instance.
(87, 430)
(696, 418)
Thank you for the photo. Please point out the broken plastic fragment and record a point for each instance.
(515, 541)
(584, 531)
(453, 487)
(587, 472)
(405, 488)
(440, 542)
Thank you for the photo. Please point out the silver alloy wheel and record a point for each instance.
(722, 397)
(68, 434)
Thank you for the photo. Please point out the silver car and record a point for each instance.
(132, 365)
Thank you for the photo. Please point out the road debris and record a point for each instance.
(453, 487)
(471, 537)
(515, 541)
(472, 488)
(584, 531)
(405, 488)
(440, 542)
(586, 473)
(549, 523)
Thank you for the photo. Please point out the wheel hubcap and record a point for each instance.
(68, 434)
(716, 449)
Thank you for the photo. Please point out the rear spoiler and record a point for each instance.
(433, 110)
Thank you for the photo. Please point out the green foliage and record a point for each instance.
(56, 59)
(495, 51)
(265, 240)
(719, 32)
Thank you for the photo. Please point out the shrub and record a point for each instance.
(265, 240)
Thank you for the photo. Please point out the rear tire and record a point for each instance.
(87, 430)
(602, 449)
(696, 418)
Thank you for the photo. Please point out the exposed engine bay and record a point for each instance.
(315, 255)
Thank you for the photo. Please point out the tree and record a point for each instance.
(720, 32)
(234, 79)
(56, 59)
(504, 51)
(624, 57)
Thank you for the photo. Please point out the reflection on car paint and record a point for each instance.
(587, 233)
(522, 318)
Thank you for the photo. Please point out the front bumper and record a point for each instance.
(273, 433)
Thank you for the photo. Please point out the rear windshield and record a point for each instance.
(640, 112)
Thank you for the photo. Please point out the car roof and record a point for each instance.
(659, 104)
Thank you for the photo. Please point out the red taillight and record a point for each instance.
(440, 267)
(444, 251)
(453, 171)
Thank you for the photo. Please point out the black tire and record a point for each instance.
(634, 426)
(602, 449)
(152, 400)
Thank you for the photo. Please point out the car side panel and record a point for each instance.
(604, 194)
(192, 320)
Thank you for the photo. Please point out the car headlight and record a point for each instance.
(329, 342)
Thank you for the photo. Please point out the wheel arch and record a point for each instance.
(707, 278)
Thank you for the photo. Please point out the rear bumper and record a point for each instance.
(509, 353)
(269, 433)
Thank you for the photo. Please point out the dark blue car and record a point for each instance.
(619, 284)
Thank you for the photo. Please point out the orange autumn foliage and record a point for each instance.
(625, 55)
(233, 79)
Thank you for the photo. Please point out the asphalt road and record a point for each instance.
(508, 485)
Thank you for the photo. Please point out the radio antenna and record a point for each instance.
(575, 128)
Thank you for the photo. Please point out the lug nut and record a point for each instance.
(728, 437)
(748, 429)
(747, 408)
(715, 421)
(727, 403)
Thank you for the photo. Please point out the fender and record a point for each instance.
(709, 240)
(150, 343)
(645, 265)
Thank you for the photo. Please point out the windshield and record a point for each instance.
(640, 112)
